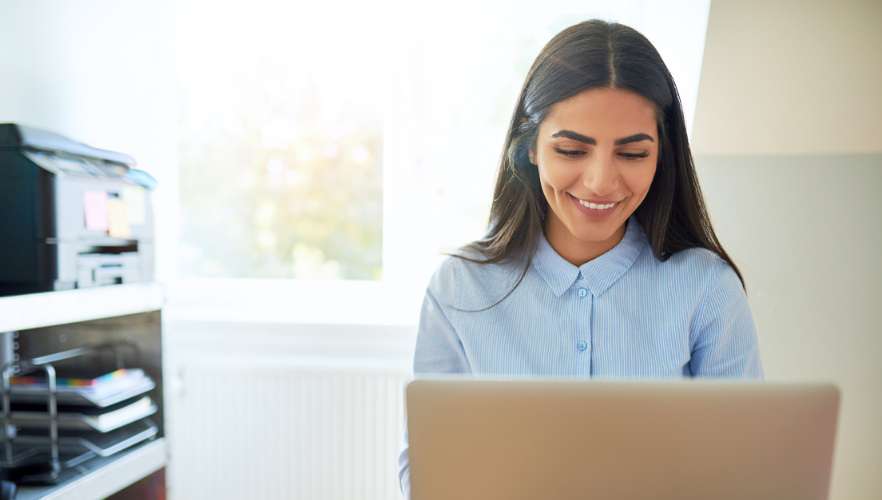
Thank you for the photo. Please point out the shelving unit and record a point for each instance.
(37, 324)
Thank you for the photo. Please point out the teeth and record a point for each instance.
(595, 206)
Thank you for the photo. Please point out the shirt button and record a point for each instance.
(583, 292)
(582, 346)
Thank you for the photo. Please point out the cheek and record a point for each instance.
(639, 180)
(556, 177)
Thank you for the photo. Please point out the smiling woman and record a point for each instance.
(600, 259)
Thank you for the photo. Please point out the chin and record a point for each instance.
(596, 233)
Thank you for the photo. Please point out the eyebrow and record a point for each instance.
(590, 140)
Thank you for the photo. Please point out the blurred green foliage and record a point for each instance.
(278, 186)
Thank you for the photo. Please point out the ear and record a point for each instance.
(532, 155)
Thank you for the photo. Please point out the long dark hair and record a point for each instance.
(588, 55)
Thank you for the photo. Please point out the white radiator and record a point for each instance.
(289, 428)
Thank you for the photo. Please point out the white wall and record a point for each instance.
(790, 160)
(791, 77)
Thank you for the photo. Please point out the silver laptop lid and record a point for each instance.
(576, 439)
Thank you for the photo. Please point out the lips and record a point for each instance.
(595, 201)
(595, 214)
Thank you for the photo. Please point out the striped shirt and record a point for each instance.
(622, 314)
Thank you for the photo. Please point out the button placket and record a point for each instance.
(581, 343)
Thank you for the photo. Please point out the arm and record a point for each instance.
(723, 335)
(438, 350)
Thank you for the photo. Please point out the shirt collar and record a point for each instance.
(599, 273)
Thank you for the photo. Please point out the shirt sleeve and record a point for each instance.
(438, 350)
(724, 339)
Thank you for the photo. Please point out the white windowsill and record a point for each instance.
(291, 302)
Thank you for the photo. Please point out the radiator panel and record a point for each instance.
(288, 429)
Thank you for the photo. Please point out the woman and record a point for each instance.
(600, 259)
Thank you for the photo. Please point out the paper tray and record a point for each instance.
(102, 444)
(84, 419)
(83, 398)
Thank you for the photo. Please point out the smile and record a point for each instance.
(595, 206)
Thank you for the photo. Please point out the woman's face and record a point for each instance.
(596, 153)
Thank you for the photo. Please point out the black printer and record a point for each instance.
(71, 216)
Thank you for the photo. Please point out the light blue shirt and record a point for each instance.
(623, 314)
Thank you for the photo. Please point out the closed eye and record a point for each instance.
(634, 156)
(570, 152)
(574, 153)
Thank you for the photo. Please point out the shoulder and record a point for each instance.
(461, 282)
(698, 260)
(698, 268)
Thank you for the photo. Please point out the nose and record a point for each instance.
(600, 177)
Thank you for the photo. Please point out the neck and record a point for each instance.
(574, 250)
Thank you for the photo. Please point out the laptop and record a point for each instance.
(495, 439)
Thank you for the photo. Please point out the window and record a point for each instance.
(281, 127)
(357, 141)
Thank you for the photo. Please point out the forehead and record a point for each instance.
(602, 113)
